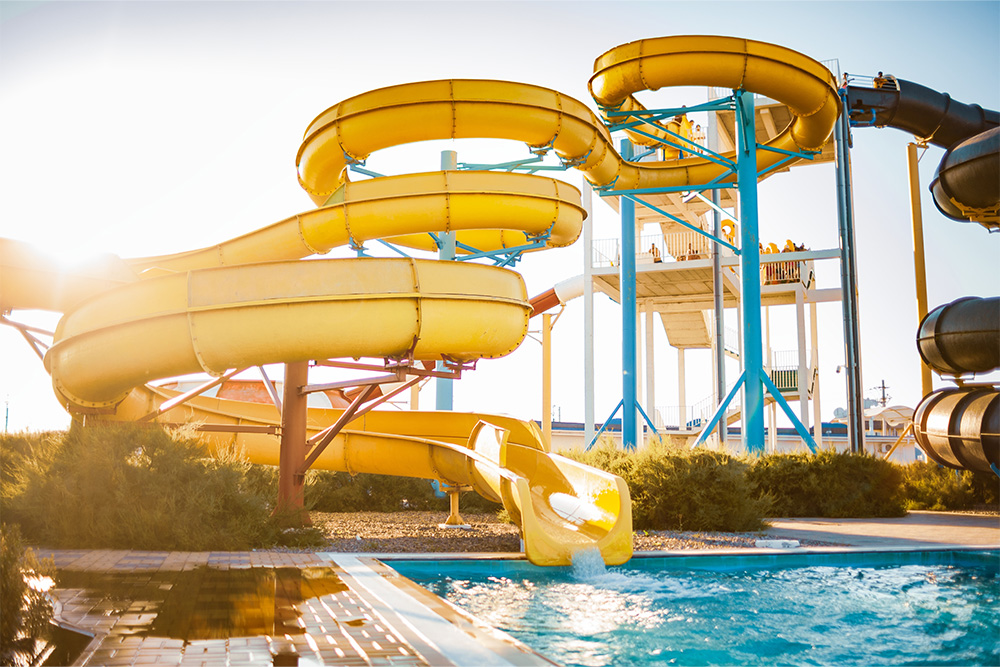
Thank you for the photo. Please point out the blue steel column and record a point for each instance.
(444, 390)
(753, 389)
(627, 284)
(848, 283)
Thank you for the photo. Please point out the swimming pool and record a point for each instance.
(899, 608)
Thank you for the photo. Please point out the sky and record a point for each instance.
(141, 128)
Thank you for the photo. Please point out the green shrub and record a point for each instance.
(674, 488)
(928, 486)
(133, 487)
(18, 450)
(25, 611)
(830, 484)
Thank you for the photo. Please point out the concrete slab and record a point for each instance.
(916, 529)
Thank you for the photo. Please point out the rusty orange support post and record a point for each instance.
(290, 506)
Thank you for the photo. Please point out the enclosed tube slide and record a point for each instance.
(962, 336)
(957, 427)
(249, 301)
(966, 186)
(960, 427)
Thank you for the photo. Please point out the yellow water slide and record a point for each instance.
(252, 300)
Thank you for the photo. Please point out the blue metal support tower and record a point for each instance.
(629, 315)
(753, 363)
(754, 381)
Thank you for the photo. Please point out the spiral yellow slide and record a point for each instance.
(253, 300)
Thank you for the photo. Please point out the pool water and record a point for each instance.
(939, 608)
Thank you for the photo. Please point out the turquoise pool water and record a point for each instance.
(920, 608)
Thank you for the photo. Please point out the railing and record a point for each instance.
(785, 379)
(885, 81)
(606, 252)
(780, 273)
(651, 248)
(786, 359)
(695, 416)
(680, 245)
(732, 342)
(784, 370)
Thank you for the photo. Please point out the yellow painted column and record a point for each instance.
(919, 264)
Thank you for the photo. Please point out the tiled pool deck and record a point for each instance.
(378, 618)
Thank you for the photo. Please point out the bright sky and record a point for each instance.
(142, 128)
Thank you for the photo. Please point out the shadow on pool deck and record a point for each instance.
(916, 529)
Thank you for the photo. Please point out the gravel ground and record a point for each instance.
(409, 532)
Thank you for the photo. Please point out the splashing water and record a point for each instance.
(588, 565)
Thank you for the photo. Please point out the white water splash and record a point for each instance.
(588, 565)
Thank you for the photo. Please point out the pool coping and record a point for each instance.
(679, 553)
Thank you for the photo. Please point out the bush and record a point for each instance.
(676, 488)
(25, 611)
(928, 486)
(133, 487)
(830, 484)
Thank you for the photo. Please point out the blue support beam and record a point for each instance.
(393, 248)
(628, 296)
(604, 426)
(753, 388)
(720, 411)
(683, 223)
(444, 389)
(783, 404)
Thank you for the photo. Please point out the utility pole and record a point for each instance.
(885, 398)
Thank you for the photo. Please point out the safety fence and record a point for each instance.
(653, 248)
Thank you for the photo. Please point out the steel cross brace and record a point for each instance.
(321, 440)
(685, 223)
(38, 346)
(607, 422)
(527, 164)
(188, 395)
(405, 366)
(707, 153)
(639, 118)
(779, 399)
(715, 184)
(357, 166)
(721, 104)
(393, 248)
(506, 256)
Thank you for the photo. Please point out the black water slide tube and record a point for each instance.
(956, 427)
(966, 185)
(960, 427)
